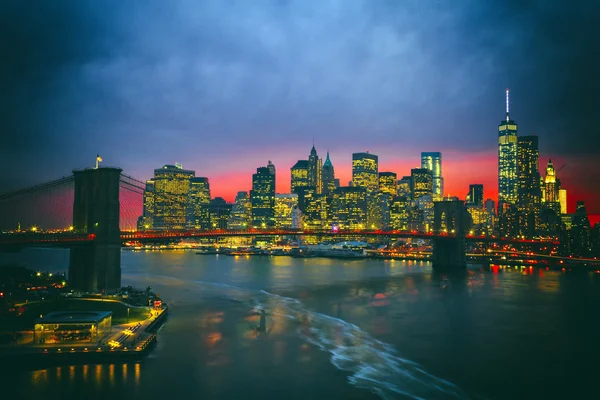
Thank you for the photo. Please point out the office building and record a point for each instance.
(388, 183)
(551, 189)
(422, 182)
(241, 212)
(562, 199)
(314, 211)
(284, 210)
(529, 190)
(198, 216)
(433, 162)
(399, 212)
(299, 174)
(315, 166)
(147, 220)
(171, 189)
(262, 198)
(348, 207)
(365, 172)
(405, 187)
(328, 177)
(507, 161)
(219, 213)
(475, 195)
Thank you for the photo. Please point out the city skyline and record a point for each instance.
(223, 89)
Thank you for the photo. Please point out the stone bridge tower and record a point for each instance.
(451, 221)
(96, 266)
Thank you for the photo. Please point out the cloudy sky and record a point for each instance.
(224, 86)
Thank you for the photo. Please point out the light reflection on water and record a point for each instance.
(463, 328)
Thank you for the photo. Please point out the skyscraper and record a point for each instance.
(365, 169)
(475, 195)
(284, 210)
(388, 183)
(422, 182)
(241, 212)
(171, 189)
(299, 174)
(315, 170)
(529, 192)
(551, 189)
(219, 213)
(348, 207)
(198, 215)
(405, 187)
(262, 198)
(507, 161)
(147, 220)
(328, 176)
(433, 162)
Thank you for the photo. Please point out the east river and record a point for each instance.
(343, 329)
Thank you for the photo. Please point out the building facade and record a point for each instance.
(198, 215)
(529, 197)
(433, 162)
(262, 198)
(348, 207)
(365, 172)
(388, 183)
(507, 161)
(328, 176)
(422, 182)
(171, 189)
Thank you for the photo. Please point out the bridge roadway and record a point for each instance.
(71, 239)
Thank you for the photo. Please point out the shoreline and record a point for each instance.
(36, 356)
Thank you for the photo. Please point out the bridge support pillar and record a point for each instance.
(97, 266)
(449, 253)
(452, 221)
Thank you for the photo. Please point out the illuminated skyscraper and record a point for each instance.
(315, 165)
(171, 189)
(284, 209)
(507, 161)
(365, 168)
(198, 201)
(328, 176)
(475, 195)
(433, 162)
(241, 212)
(422, 182)
(405, 187)
(399, 210)
(219, 213)
(562, 198)
(299, 175)
(551, 190)
(348, 207)
(147, 220)
(314, 209)
(529, 192)
(262, 197)
(388, 183)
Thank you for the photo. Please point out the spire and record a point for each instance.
(327, 162)
(507, 105)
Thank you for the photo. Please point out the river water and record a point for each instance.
(351, 329)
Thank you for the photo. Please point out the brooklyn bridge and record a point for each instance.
(92, 213)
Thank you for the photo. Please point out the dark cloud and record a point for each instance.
(201, 82)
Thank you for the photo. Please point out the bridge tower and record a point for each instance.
(96, 267)
(451, 220)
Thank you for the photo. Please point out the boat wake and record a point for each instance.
(373, 365)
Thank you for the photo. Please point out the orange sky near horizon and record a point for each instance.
(458, 169)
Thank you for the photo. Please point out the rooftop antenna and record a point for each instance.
(507, 105)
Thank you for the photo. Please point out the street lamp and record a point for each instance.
(127, 314)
